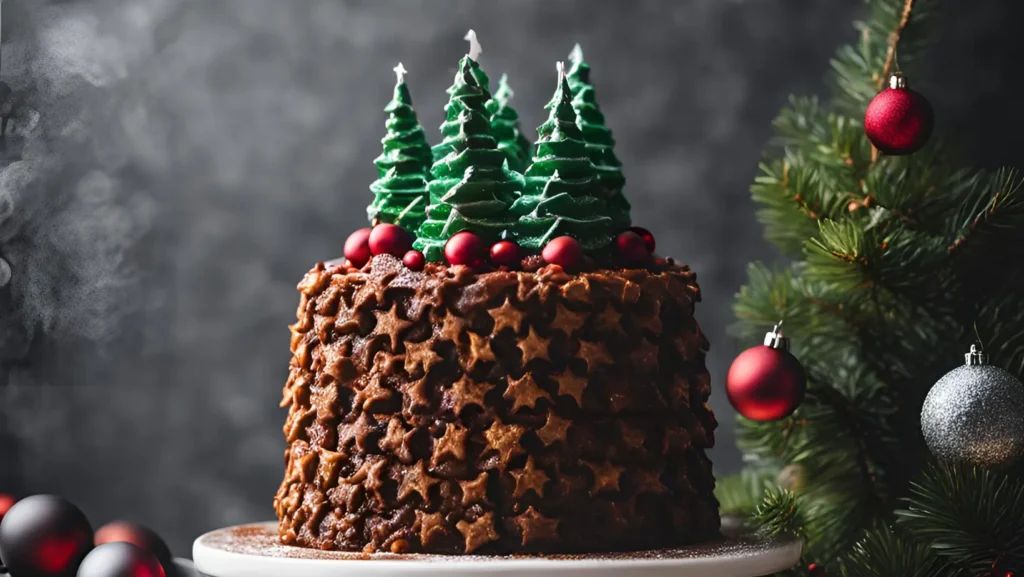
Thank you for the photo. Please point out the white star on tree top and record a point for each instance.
(475, 50)
(576, 55)
(560, 67)
(400, 72)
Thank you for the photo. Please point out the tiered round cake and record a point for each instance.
(532, 379)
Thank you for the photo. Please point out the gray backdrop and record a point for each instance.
(172, 168)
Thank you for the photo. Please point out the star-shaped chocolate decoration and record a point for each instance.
(330, 463)
(390, 325)
(479, 350)
(465, 392)
(533, 347)
(479, 532)
(507, 316)
(505, 440)
(536, 527)
(606, 477)
(610, 319)
(623, 512)
(416, 479)
(567, 321)
(529, 478)
(386, 362)
(420, 355)
(372, 392)
(452, 327)
(430, 526)
(475, 491)
(676, 439)
(451, 444)
(364, 426)
(594, 354)
(647, 481)
(375, 478)
(416, 395)
(369, 473)
(524, 392)
(397, 438)
(571, 385)
(633, 438)
(652, 321)
(645, 356)
(554, 429)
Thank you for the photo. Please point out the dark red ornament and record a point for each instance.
(414, 260)
(390, 239)
(506, 253)
(815, 570)
(565, 251)
(120, 559)
(631, 249)
(138, 535)
(766, 382)
(6, 502)
(357, 247)
(647, 236)
(44, 536)
(465, 248)
(899, 120)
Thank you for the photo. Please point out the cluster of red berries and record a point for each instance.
(633, 247)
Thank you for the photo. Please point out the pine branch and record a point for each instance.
(740, 494)
(883, 552)
(780, 513)
(990, 222)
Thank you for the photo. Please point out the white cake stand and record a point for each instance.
(254, 551)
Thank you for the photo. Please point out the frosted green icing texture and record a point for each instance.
(472, 186)
(562, 195)
(600, 143)
(505, 127)
(400, 191)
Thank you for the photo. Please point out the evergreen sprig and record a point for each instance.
(780, 513)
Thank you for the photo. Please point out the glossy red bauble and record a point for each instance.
(414, 260)
(120, 559)
(44, 536)
(465, 248)
(631, 249)
(506, 253)
(357, 247)
(899, 120)
(647, 236)
(6, 502)
(138, 535)
(390, 239)
(765, 383)
(565, 251)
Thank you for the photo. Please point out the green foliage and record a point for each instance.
(472, 187)
(780, 514)
(400, 191)
(896, 265)
(505, 127)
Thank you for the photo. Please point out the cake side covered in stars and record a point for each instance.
(500, 364)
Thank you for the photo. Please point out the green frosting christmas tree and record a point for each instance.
(482, 80)
(472, 186)
(561, 196)
(505, 127)
(400, 191)
(600, 144)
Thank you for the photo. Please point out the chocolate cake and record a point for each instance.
(545, 395)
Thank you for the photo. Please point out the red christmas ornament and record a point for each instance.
(815, 570)
(414, 260)
(465, 248)
(138, 535)
(357, 247)
(899, 120)
(44, 536)
(631, 248)
(565, 251)
(6, 502)
(120, 559)
(506, 253)
(387, 238)
(766, 382)
(647, 236)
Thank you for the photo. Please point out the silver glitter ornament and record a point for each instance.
(975, 414)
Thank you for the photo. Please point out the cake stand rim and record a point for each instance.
(772, 555)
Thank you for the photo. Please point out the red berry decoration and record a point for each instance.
(6, 502)
(766, 382)
(647, 236)
(631, 248)
(565, 251)
(899, 120)
(414, 260)
(390, 239)
(465, 248)
(506, 253)
(357, 247)
(120, 559)
(44, 536)
(138, 535)
(815, 570)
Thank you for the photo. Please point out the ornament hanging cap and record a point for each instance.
(976, 356)
(897, 81)
(775, 339)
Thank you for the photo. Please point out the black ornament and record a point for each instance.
(44, 536)
(138, 535)
(120, 559)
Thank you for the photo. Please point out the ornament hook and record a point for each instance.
(897, 81)
(775, 339)
(976, 356)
